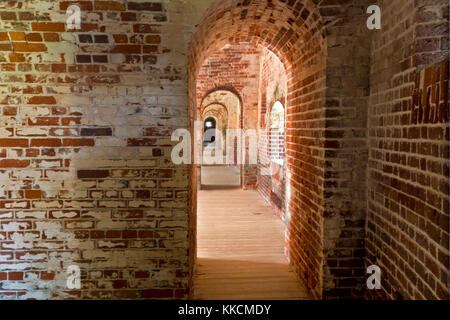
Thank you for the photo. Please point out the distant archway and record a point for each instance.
(230, 101)
(209, 124)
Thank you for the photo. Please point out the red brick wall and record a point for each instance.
(408, 219)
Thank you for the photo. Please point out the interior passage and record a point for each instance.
(241, 249)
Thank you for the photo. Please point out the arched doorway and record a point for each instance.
(209, 131)
(222, 108)
(294, 35)
(279, 186)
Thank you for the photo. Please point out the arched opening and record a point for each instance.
(209, 125)
(297, 41)
(275, 184)
(277, 127)
(224, 106)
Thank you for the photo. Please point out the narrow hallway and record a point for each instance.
(240, 249)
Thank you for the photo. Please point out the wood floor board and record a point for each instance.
(240, 252)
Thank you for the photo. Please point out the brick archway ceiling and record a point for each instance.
(212, 104)
(222, 97)
(215, 106)
(284, 27)
(230, 101)
(228, 88)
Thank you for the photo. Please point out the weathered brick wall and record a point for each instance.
(85, 171)
(408, 211)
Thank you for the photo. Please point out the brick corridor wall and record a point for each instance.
(272, 88)
(345, 116)
(408, 204)
(85, 172)
(236, 67)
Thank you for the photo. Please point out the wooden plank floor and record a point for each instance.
(240, 249)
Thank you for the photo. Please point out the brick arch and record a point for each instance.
(294, 32)
(228, 88)
(283, 28)
(208, 108)
(207, 112)
(212, 103)
(231, 91)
